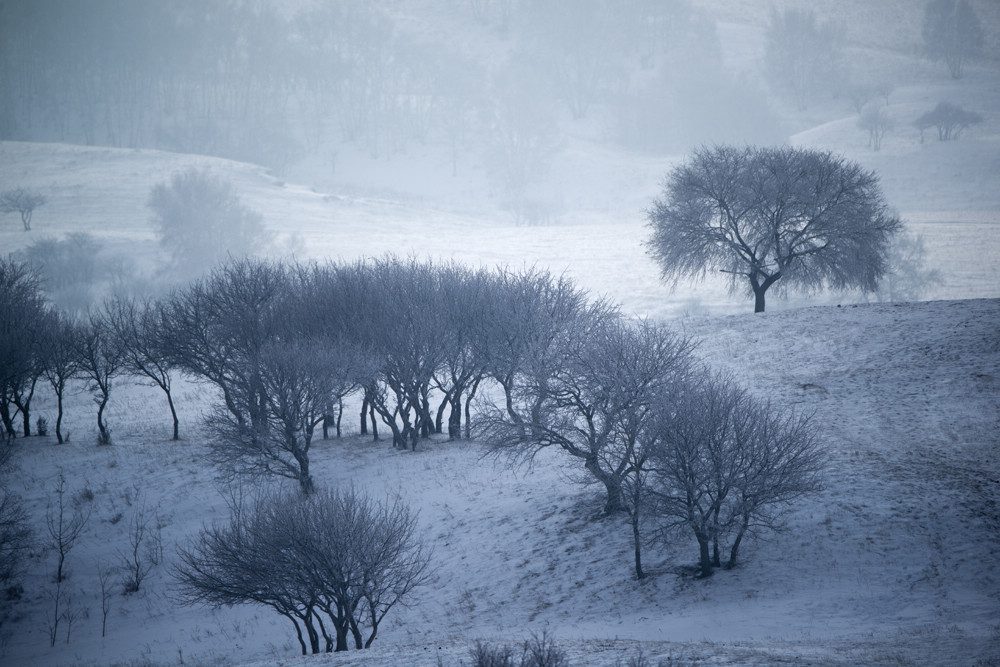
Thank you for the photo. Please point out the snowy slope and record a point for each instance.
(896, 562)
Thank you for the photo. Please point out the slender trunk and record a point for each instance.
(439, 417)
(735, 549)
(371, 637)
(637, 544)
(326, 635)
(468, 409)
(424, 415)
(356, 632)
(311, 630)
(340, 415)
(455, 418)
(298, 633)
(102, 429)
(173, 415)
(59, 415)
(364, 415)
(371, 410)
(26, 418)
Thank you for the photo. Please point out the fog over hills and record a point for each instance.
(532, 135)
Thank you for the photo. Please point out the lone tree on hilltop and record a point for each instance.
(23, 201)
(766, 214)
(952, 32)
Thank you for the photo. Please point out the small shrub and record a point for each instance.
(484, 655)
(42, 426)
(541, 651)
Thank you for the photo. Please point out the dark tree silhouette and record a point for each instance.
(334, 555)
(22, 319)
(760, 215)
(949, 119)
(22, 201)
(721, 463)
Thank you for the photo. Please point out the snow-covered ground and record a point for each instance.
(897, 561)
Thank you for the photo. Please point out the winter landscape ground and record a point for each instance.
(895, 562)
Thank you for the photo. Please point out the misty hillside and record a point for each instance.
(523, 133)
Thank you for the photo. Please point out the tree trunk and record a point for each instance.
(637, 544)
(758, 300)
(173, 415)
(102, 429)
(760, 288)
(59, 416)
(455, 418)
(364, 415)
(298, 633)
(468, 409)
(6, 420)
(439, 417)
(705, 553)
(735, 549)
(613, 487)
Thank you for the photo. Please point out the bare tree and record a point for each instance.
(22, 201)
(333, 555)
(761, 215)
(949, 119)
(908, 278)
(299, 378)
(16, 540)
(141, 556)
(589, 394)
(104, 573)
(875, 121)
(721, 463)
(952, 32)
(22, 320)
(61, 360)
(200, 220)
(101, 360)
(136, 328)
(65, 523)
(215, 328)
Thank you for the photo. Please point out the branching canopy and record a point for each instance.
(805, 216)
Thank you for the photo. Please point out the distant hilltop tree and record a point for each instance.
(952, 32)
(23, 201)
(804, 217)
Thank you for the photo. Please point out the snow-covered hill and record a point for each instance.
(897, 561)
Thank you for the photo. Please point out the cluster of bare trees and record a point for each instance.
(334, 563)
(679, 450)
